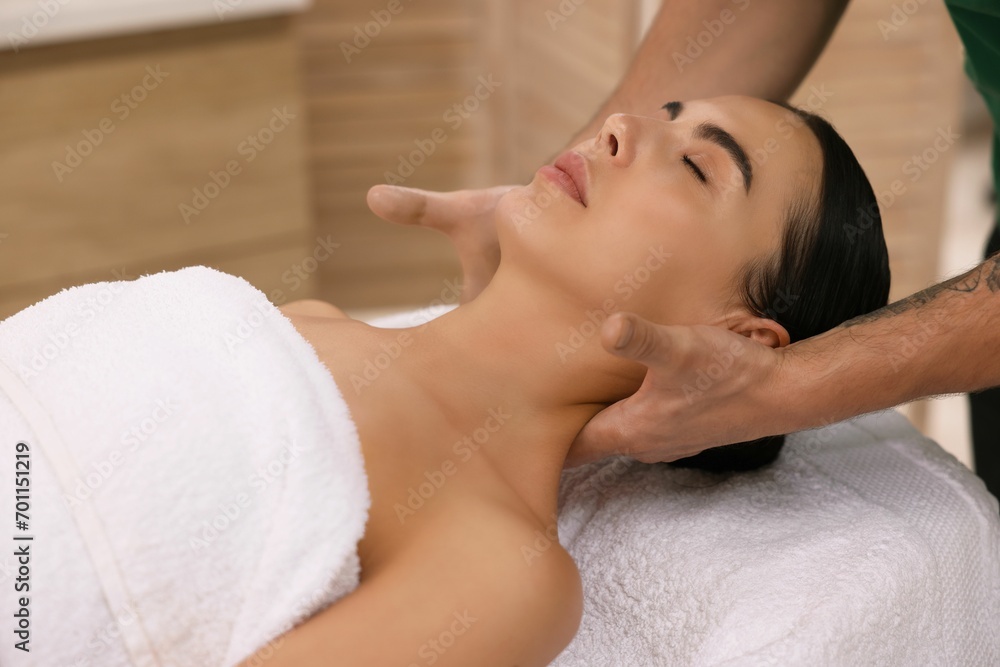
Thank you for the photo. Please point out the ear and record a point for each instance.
(760, 329)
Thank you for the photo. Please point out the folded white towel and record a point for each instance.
(864, 544)
(197, 486)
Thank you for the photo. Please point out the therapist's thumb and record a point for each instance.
(413, 206)
(631, 337)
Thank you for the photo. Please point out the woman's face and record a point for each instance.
(673, 205)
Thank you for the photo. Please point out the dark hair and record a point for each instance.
(832, 265)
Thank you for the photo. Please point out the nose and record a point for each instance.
(615, 140)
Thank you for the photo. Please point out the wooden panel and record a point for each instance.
(195, 101)
(373, 100)
(561, 66)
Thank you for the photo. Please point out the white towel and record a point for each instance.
(864, 544)
(196, 487)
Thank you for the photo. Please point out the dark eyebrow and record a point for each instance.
(674, 109)
(717, 135)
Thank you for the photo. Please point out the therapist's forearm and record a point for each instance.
(762, 48)
(943, 340)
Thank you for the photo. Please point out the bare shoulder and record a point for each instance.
(508, 556)
(469, 595)
(505, 568)
(313, 307)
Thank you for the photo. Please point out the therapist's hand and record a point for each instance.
(705, 386)
(464, 216)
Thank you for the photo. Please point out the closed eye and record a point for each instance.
(699, 174)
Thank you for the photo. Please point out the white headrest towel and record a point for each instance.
(864, 544)
(197, 486)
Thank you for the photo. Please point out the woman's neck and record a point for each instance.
(509, 378)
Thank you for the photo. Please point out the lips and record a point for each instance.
(569, 171)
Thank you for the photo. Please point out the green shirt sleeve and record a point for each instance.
(978, 24)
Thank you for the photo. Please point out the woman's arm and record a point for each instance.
(478, 600)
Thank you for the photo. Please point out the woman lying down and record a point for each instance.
(265, 513)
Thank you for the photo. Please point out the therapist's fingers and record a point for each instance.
(607, 434)
(632, 337)
(638, 426)
(465, 216)
(635, 426)
(449, 212)
(704, 386)
(412, 206)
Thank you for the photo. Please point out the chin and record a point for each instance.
(529, 231)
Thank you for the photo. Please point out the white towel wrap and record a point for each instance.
(197, 486)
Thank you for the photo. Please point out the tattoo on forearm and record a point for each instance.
(992, 271)
(987, 273)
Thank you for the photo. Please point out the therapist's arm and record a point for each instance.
(945, 339)
(763, 48)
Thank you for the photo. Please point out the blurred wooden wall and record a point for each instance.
(116, 212)
(381, 90)
(562, 59)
